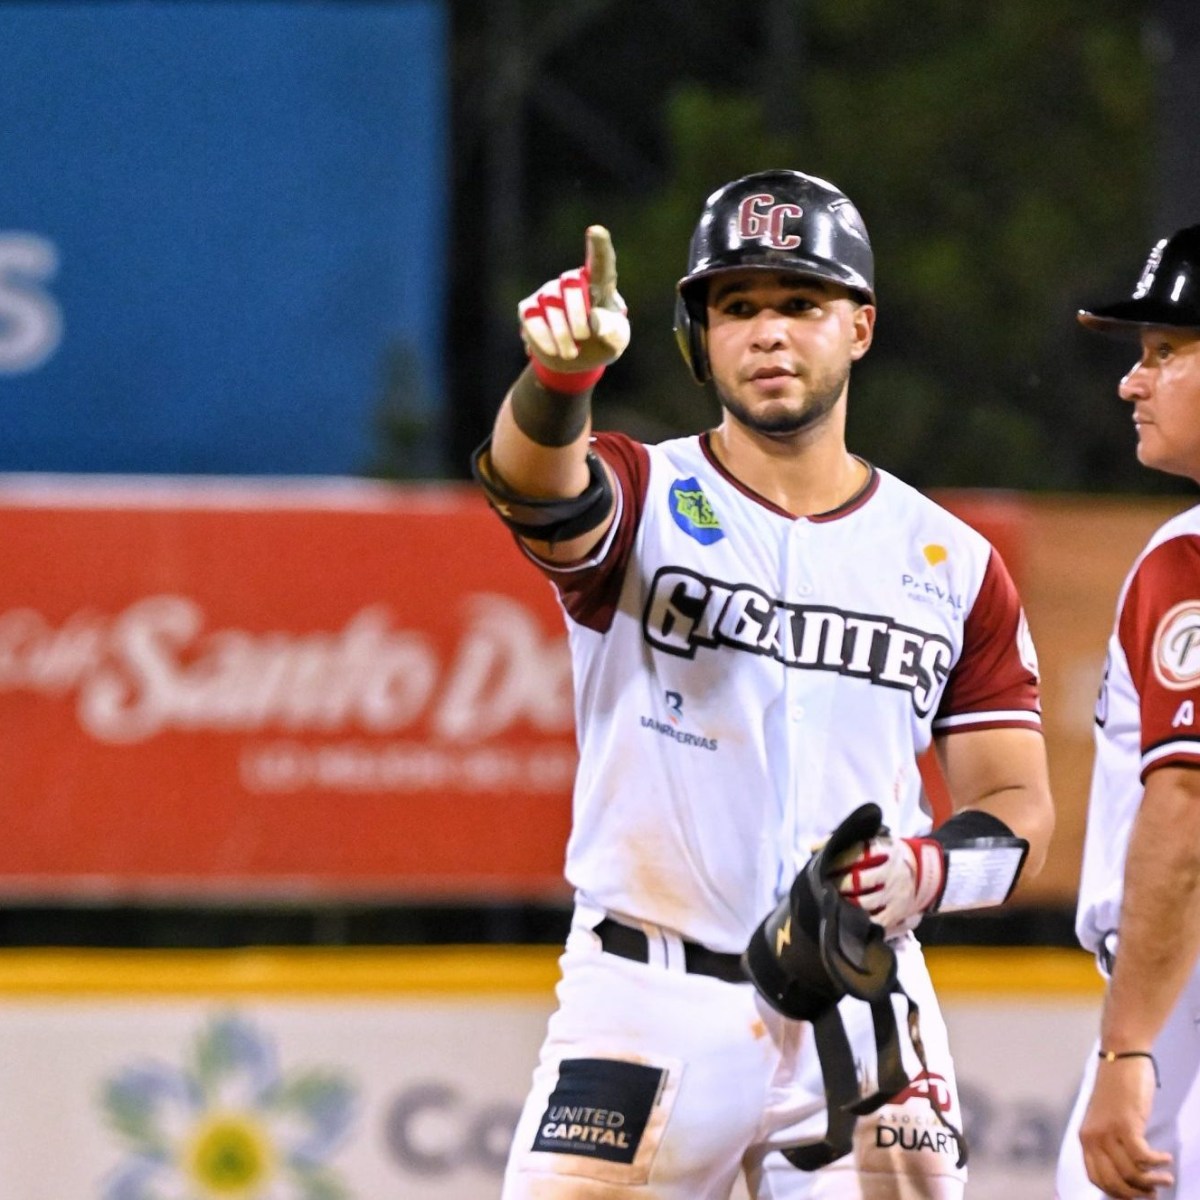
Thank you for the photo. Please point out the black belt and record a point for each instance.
(626, 942)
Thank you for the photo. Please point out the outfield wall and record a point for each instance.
(399, 1073)
(231, 689)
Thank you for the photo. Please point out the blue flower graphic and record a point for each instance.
(228, 1126)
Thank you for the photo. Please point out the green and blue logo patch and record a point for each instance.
(693, 513)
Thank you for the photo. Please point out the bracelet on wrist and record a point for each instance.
(1114, 1055)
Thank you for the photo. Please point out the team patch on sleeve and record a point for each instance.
(599, 1108)
(1176, 654)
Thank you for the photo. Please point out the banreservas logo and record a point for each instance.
(159, 666)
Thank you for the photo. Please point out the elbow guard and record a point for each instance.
(546, 520)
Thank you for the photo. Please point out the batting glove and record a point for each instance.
(895, 880)
(577, 324)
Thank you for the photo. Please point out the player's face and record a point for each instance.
(1164, 389)
(780, 347)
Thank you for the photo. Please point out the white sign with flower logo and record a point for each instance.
(230, 1119)
(306, 1101)
(399, 1075)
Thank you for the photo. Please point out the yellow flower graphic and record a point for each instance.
(230, 1125)
(231, 1154)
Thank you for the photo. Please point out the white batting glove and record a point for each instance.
(895, 880)
(577, 324)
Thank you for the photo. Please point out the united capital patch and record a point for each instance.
(693, 513)
(599, 1108)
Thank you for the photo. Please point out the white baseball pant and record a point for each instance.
(656, 1082)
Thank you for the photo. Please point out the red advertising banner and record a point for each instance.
(265, 688)
(341, 688)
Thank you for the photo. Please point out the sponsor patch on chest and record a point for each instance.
(692, 511)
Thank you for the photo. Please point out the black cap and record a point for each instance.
(1167, 292)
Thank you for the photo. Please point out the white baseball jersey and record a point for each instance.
(1146, 714)
(1146, 718)
(745, 679)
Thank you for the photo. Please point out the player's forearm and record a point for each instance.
(1003, 772)
(540, 438)
(540, 476)
(1159, 936)
(1027, 810)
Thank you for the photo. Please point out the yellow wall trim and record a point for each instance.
(275, 972)
(1000, 972)
(454, 970)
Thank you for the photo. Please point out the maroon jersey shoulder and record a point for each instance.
(1159, 631)
(996, 671)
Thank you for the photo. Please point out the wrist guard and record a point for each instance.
(983, 861)
(552, 418)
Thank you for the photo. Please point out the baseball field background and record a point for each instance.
(286, 737)
(191, 723)
(407, 1067)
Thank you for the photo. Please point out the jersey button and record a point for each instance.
(798, 712)
(805, 589)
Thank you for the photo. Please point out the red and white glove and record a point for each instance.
(896, 880)
(577, 324)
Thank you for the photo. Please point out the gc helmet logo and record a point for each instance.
(762, 220)
(1176, 653)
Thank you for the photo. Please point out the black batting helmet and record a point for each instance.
(777, 221)
(1167, 292)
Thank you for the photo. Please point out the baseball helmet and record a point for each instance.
(1167, 292)
(776, 221)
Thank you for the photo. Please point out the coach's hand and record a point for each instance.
(1112, 1134)
(896, 880)
(577, 324)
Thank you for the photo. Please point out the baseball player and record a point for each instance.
(766, 633)
(1139, 896)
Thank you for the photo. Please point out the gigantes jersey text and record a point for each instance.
(743, 679)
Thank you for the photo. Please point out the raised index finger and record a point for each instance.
(602, 265)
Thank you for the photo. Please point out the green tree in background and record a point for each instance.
(1001, 156)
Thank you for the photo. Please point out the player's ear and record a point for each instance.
(863, 330)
